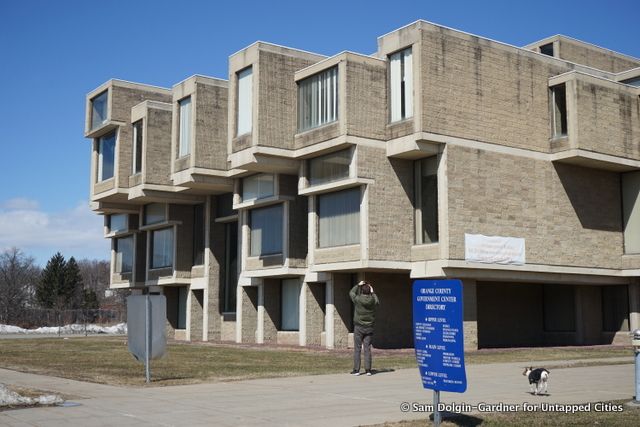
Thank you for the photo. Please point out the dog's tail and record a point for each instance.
(544, 376)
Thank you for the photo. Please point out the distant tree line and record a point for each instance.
(61, 285)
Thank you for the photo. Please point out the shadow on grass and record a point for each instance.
(459, 419)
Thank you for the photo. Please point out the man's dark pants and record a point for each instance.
(362, 336)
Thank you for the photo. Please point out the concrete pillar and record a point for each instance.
(342, 319)
(302, 314)
(634, 306)
(213, 259)
(196, 318)
(247, 320)
(470, 315)
(269, 320)
(329, 315)
(312, 315)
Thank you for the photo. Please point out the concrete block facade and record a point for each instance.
(266, 231)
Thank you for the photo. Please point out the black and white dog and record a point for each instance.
(537, 379)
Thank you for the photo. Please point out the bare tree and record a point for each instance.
(95, 276)
(18, 278)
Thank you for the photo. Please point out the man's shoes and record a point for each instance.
(355, 373)
(369, 372)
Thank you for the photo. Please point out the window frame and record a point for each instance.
(120, 260)
(244, 103)
(93, 123)
(185, 128)
(404, 95)
(325, 87)
(350, 168)
(318, 206)
(172, 247)
(101, 156)
(561, 110)
(296, 319)
(126, 223)
(137, 136)
(418, 202)
(261, 253)
(259, 195)
(145, 209)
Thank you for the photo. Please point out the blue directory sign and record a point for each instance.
(438, 335)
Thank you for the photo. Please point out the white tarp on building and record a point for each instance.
(494, 249)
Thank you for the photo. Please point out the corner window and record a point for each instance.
(184, 135)
(106, 156)
(118, 222)
(330, 167)
(318, 99)
(266, 230)
(137, 147)
(258, 186)
(290, 300)
(162, 248)
(155, 213)
(547, 49)
(124, 255)
(339, 218)
(427, 200)
(401, 85)
(559, 111)
(245, 101)
(99, 110)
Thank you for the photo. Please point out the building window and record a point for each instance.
(198, 234)
(162, 248)
(635, 81)
(137, 147)
(118, 222)
(182, 308)
(401, 85)
(318, 99)
(245, 101)
(230, 266)
(630, 182)
(330, 167)
(547, 49)
(106, 156)
(99, 110)
(339, 218)
(124, 254)
(427, 200)
(266, 230)
(155, 213)
(615, 308)
(559, 310)
(559, 111)
(290, 294)
(184, 135)
(257, 187)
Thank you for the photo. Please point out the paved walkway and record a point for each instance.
(336, 400)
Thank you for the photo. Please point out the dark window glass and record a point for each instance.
(547, 49)
(137, 147)
(198, 234)
(615, 308)
(231, 266)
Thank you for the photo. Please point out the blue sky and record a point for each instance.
(54, 52)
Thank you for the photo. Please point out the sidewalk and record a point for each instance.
(336, 400)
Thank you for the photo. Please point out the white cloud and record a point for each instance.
(74, 232)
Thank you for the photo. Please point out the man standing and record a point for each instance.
(364, 316)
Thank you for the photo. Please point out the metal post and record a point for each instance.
(436, 404)
(147, 338)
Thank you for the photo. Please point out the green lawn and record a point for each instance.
(107, 360)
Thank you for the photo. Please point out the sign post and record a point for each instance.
(439, 338)
(146, 335)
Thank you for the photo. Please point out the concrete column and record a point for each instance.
(196, 315)
(329, 314)
(470, 315)
(313, 313)
(342, 318)
(634, 306)
(270, 321)
(247, 319)
(260, 315)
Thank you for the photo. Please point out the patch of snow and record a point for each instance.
(10, 398)
(75, 328)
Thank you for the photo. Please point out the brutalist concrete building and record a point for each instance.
(254, 203)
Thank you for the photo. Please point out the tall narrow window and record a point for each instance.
(99, 110)
(257, 186)
(318, 99)
(137, 147)
(231, 266)
(427, 199)
(245, 101)
(106, 156)
(198, 234)
(162, 248)
(182, 308)
(124, 254)
(290, 292)
(559, 110)
(330, 167)
(339, 218)
(266, 230)
(401, 85)
(185, 127)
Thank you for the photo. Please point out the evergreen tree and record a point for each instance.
(51, 282)
(72, 291)
(90, 300)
